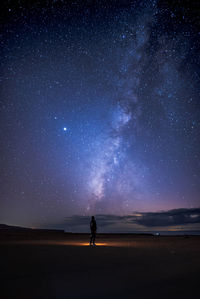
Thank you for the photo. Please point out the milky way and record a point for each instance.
(99, 108)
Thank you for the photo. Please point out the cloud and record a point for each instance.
(149, 219)
(163, 220)
(171, 217)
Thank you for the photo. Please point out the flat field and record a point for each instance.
(120, 266)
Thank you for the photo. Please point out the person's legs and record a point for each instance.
(94, 237)
(91, 239)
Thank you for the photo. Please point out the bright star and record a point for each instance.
(65, 129)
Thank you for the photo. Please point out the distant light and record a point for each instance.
(65, 129)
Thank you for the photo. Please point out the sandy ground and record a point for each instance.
(118, 267)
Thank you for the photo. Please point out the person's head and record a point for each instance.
(92, 217)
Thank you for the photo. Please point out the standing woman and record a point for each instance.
(93, 228)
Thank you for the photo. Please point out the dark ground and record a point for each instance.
(125, 267)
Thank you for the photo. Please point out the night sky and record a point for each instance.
(100, 109)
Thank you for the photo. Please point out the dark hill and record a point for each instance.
(8, 232)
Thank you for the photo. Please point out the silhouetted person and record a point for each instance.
(93, 228)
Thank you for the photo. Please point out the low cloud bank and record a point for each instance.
(149, 219)
(171, 217)
(137, 221)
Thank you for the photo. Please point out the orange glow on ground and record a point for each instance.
(87, 244)
(109, 243)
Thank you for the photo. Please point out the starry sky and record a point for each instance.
(100, 110)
